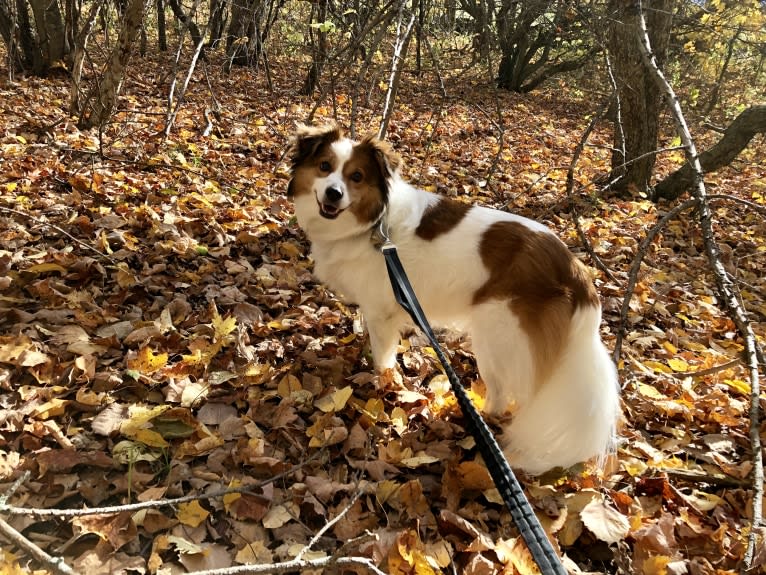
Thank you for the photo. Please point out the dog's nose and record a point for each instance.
(333, 194)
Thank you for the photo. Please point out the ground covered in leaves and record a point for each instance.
(161, 336)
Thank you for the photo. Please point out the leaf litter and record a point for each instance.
(197, 353)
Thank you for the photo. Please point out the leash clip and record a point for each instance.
(381, 236)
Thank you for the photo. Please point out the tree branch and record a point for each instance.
(735, 138)
(725, 287)
(133, 507)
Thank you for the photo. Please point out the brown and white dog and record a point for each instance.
(528, 304)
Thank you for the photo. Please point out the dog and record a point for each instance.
(528, 304)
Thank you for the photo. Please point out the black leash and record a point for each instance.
(507, 484)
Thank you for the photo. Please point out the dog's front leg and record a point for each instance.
(385, 330)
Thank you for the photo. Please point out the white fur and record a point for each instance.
(568, 419)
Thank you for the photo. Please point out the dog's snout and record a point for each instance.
(333, 194)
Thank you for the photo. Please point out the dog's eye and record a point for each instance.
(325, 166)
(356, 176)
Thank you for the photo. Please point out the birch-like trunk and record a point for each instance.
(103, 97)
(403, 36)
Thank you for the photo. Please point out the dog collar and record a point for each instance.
(380, 233)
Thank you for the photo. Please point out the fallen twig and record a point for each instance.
(327, 526)
(56, 564)
(295, 565)
(58, 229)
(133, 507)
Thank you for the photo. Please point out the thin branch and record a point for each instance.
(15, 487)
(709, 370)
(327, 526)
(570, 191)
(643, 247)
(58, 229)
(725, 287)
(55, 564)
(296, 565)
(133, 507)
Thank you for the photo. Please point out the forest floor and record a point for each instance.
(161, 336)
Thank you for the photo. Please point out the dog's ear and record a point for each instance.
(388, 160)
(307, 140)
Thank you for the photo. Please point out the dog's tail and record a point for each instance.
(573, 416)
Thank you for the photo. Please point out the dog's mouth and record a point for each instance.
(329, 211)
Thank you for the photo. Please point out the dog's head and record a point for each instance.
(339, 185)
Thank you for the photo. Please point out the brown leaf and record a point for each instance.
(63, 460)
(117, 530)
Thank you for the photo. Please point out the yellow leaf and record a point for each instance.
(254, 552)
(650, 391)
(230, 498)
(278, 325)
(375, 409)
(474, 476)
(656, 366)
(738, 385)
(52, 408)
(149, 437)
(334, 401)
(605, 522)
(635, 467)
(46, 268)
(147, 362)
(669, 347)
(348, 339)
(385, 489)
(399, 420)
(138, 417)
(678, 364)
(655, 565)
(224, 327)
(420, 458)
(288, 385)
(9, 564)
(408, 556)
(191, 514)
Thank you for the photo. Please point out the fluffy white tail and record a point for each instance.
(573, 416)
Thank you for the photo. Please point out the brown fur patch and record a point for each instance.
(309, 148)
(388, 160)
(370, 194)
(308, 139)
(542, 281)
(441, 217)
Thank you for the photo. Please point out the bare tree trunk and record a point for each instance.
(735, 139)
(49, 26)
(320, 50)
(364, 68)
(419, 36)
(400, 53)
(162, 37)
(80, 44)
(103, 97)
(188, 22)
(639, 99)
(714, 97)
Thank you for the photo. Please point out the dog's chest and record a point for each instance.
(356, 271)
